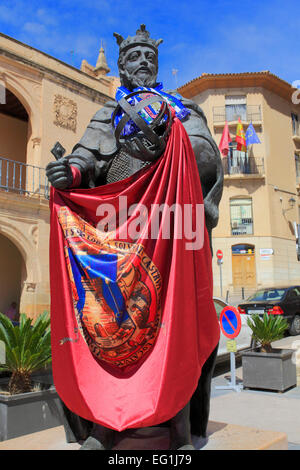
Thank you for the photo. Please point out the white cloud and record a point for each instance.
(47, 17)
(9, 15)
(35, 28)
(86, 45)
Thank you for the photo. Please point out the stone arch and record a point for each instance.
(14, 121)
(26, 248)
(12, 272)
(31, 274)
(24, 96)
(243, 246)
(31, 104)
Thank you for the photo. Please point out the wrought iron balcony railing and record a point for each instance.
(22, 178)
(243, 165)
(250, 113)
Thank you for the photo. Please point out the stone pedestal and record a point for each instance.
(221, 436)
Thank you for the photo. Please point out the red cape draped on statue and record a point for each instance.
(155, 388)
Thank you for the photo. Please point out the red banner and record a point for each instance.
(225, 141)
(132, 315)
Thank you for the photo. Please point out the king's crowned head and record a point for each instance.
(138, 59)
(141, 38)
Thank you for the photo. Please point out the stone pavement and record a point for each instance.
(263, 410)
(246, 420)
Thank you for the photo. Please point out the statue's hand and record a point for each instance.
(87, 164)
(59, 173)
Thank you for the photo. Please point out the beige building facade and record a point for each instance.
(260, 203)
(42, 101)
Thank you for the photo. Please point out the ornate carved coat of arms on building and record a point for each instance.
(65, 113)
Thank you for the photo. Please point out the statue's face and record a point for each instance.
(139, 67)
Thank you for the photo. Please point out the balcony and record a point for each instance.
(23, 179)
(247, 166)
(250, 113)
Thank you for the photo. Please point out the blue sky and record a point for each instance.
(199, 36)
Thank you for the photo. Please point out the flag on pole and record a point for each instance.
(251, 136)
(240, 137)
(225, 140)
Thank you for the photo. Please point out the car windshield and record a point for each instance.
(219, 305)
(268, 294)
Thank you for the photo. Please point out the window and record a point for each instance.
(294, 294)
(219, 305)
(236, 107)
(267, 294)
(242, 249)
(241, 216)
(295, 124)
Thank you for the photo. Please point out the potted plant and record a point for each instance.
(266, 367)
(24, 409)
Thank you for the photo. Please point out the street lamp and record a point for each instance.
(292, 202)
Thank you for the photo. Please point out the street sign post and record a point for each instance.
(230, 323)
(219, 255)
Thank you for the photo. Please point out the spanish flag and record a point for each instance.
(240, 137)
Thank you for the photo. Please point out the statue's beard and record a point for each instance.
(131, 81)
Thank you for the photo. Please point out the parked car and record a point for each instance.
(243, 340)
(276, 301)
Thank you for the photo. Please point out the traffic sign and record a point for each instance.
(219, 254)
(230, 322)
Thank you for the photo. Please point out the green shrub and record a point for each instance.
(267, 329)
(27, 348)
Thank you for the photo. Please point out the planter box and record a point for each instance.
(269, 371)
(27, 413)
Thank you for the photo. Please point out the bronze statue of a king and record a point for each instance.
(108, 154)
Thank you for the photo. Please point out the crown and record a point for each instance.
(142, 38)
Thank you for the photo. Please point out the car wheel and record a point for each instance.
(295, 326)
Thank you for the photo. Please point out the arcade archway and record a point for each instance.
(12, 273)
(14, 134)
